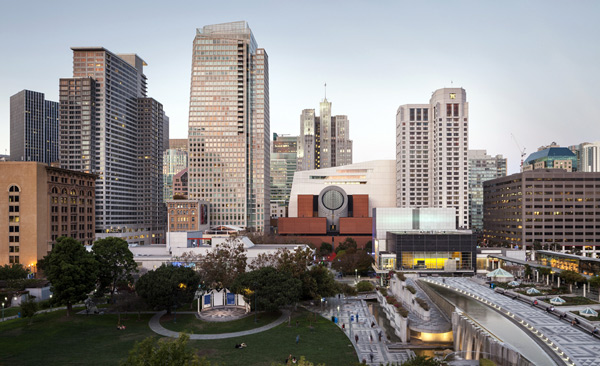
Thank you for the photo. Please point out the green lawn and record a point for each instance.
(188, 323)
(576, 300)
(54, 339)
(590, 318)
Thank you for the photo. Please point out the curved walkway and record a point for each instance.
(159, 329)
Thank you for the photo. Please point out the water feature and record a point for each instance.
(498, 325)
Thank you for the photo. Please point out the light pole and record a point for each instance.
(50, 302)
(2, 311)
(356, 274)
(255, 305)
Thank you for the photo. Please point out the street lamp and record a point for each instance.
(356, 273)
(50, 302)
(2, 311)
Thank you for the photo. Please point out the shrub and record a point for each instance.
(402, 311)
(29, 308)
(401, 276)
(364, 286)
(411, 289)
(383, 291)
(423, 303)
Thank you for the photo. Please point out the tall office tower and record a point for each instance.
(588, 156)
(229, 126)
(431, 153)
(33, 128)
(482, 167)
(110, 128)
(283, 166)
(324, 140)
(175, 159)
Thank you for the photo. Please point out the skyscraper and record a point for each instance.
(33, 128)
(111, 128)
(229, 126)
(482, 167)
(324, 140)
(431, 153)
(283, 166)
(588, 156)
(175, 159)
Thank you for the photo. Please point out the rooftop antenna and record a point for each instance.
(325, 90)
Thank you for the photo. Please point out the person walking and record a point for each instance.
(371, 356)
(356, 338)
(380, 334)
(298, 339)
(370, 338)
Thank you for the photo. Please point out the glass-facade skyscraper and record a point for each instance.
(482, 167)
(229, 126)
(283, 167)
(33, 128)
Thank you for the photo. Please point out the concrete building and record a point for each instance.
(482, 167)
(554, 207)
(324, 140)
(431, 153)
(229, 125)
(33, 128)
(588, 156)
(110, 127)
(187, 215)
(175, 159)
(334, 203)
(283, 167)
(552, 157)
(38, 204)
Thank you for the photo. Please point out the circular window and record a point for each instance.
(332, 200)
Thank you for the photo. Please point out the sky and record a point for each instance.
(530, 68)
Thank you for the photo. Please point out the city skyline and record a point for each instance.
(515, 60)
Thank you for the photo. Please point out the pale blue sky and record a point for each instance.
(529, 67)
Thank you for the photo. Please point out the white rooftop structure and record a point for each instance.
(376, 178)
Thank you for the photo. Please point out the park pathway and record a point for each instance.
(159, 329)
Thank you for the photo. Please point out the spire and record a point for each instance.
(325, 91)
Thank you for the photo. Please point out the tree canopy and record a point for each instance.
(294, 261)
(13, 271)
(273, 289)
(151, 352)
(168, 286)
(349, 243)
(318, 282)
(348, 262)
(71, 270)
(221, 265)
(116, 263)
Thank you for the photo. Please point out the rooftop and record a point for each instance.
(553, 152)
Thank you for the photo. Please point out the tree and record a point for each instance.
(151, 352)
(571, 277)
(346, 244)
(168, 286)
(325, 249)
(369, 247)
(13, 272)
(274, 289)
(595, 282)
(537, 245)
(317, 283)
(28, 309)
(528, 271)
(349, 262)
(115, 262)
(346, 289)
(295, 262)
(223, 264)
(72, 271)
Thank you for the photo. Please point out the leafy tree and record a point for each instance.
(223, 264)
(346, 244)
(545, 272)
(151, 352)
(318, 282)
(369, 247)
(364, 286)
(72, 271)
(348, 262)
(325, 249)
(571, 277)
(528, 271)
(13, 272)
(115, 262)
(28, 309)
(273, 288)
(537, 245)
(346, 289)
(168, 286)
(294, 261)
(595, 282)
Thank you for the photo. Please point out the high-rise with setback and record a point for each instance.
(111, 128)
(229, 126)
(33, 128)
(432, 141)
(324, 140)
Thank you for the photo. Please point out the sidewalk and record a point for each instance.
(368, 337)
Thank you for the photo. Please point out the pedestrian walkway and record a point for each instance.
(580, 347)
(437, 323)
(356, 319)
(159, 329)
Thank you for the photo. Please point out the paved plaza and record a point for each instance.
(578, 345)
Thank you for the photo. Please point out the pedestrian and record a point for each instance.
(343, 326)
(298, 339)
(372, 324)
(370, 338)
(380, 334)
(296, 324)
(356, 338)
(357, 317)
(371, 356)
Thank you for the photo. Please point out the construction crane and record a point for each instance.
(521, 150)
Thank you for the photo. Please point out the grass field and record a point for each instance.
(54, 339)
(188, 323)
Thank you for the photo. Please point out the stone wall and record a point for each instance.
(399, 290)
(399, 323)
